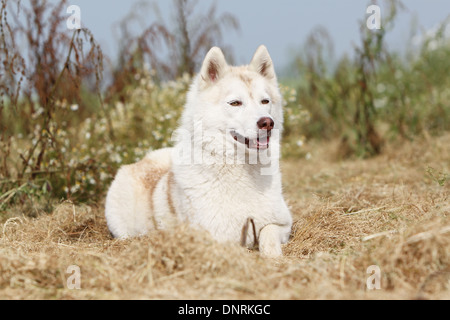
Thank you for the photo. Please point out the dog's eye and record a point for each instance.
(235, 103)
(265, 101)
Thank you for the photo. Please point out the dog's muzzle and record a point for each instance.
(261, 142)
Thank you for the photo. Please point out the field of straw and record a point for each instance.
(391, 211)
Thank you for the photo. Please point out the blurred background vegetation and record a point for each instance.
(67, 122)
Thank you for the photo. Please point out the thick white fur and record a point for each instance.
(213, 193)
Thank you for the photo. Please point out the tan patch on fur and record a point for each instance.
(243, 74)
(170, 182)
(246, 79)
(150, 173)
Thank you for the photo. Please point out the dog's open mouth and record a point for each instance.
(259, 143)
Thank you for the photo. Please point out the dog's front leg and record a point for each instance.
(270, 239)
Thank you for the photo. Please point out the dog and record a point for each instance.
(222, 175)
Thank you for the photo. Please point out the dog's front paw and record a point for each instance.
(269, 242)
(270, 251)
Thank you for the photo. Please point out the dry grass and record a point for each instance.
(349, 215)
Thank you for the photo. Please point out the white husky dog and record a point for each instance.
(223, 172)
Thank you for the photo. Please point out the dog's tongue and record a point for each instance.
(264, 142)
(259, 143)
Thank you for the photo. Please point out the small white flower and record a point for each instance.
(380, 103)
(103, 176)
(74, 107)
(381, 88)
(75, 188)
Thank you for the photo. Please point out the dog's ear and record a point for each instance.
(262, 63)
(213, 66)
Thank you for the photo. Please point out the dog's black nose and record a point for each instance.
(265, 123)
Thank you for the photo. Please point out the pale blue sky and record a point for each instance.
(279, 24)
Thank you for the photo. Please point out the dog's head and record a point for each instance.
(232, 107)
(244, 101)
